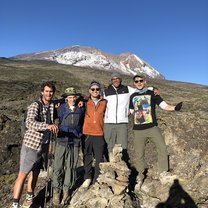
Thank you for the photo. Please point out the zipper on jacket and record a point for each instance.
(95, 107)
(94, 121)
(72, 119)
(116, 105)
(94, 118)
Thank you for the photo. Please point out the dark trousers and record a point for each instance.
(93, 144)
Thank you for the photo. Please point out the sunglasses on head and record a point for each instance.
(141, 80)
(93, 89)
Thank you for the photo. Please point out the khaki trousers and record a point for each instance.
(154, 134)
(116, 134)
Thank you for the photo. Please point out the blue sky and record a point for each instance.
(171, 35)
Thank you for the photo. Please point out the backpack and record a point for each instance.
(39, 117)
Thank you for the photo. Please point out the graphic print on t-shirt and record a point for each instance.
(142, 109)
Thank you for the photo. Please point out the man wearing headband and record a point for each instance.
(93, 129)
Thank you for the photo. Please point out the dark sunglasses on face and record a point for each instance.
(93, 89)
(141, 80)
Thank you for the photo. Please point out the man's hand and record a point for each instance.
(156, 91)
(80, 103)
(178, 106)
(58, 102)
(57, 105)
(53, 128)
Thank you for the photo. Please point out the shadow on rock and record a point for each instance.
(177, 198)
(42, 197)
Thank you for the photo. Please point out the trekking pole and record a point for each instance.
(48, 171)
(53, 146)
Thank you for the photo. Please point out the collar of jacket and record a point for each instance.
(99, 98)
(49, 103)
(121, 89)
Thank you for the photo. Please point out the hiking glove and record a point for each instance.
(178, 106)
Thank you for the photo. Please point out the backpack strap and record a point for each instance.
(63, 112)
(39, 117)
(63, 106)
(40, 111)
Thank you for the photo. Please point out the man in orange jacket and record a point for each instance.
(93, 129)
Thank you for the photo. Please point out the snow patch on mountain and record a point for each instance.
(125, 63)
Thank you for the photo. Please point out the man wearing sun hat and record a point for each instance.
(71, 119)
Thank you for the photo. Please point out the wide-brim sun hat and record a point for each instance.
(69, 91)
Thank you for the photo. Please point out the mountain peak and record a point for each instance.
(85, 56)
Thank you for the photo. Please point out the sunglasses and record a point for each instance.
(93, 89)
(141, 80)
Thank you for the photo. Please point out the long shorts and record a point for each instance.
(29, 159)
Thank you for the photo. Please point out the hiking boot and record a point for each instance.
(86, 183)
(56, 198)
(15, 205)
(167, 178)
(65, 198)
(28, 201)
(139, 182)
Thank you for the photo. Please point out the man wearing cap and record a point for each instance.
(116, 115)
(142, 105)
(71, 119)
(93, 129)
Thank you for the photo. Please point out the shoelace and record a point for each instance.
(15, 205)
(29, 199)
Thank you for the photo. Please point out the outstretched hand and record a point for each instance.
(178, 106)
(156, 91)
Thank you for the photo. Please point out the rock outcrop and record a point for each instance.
(111, 187)
(188, 161)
